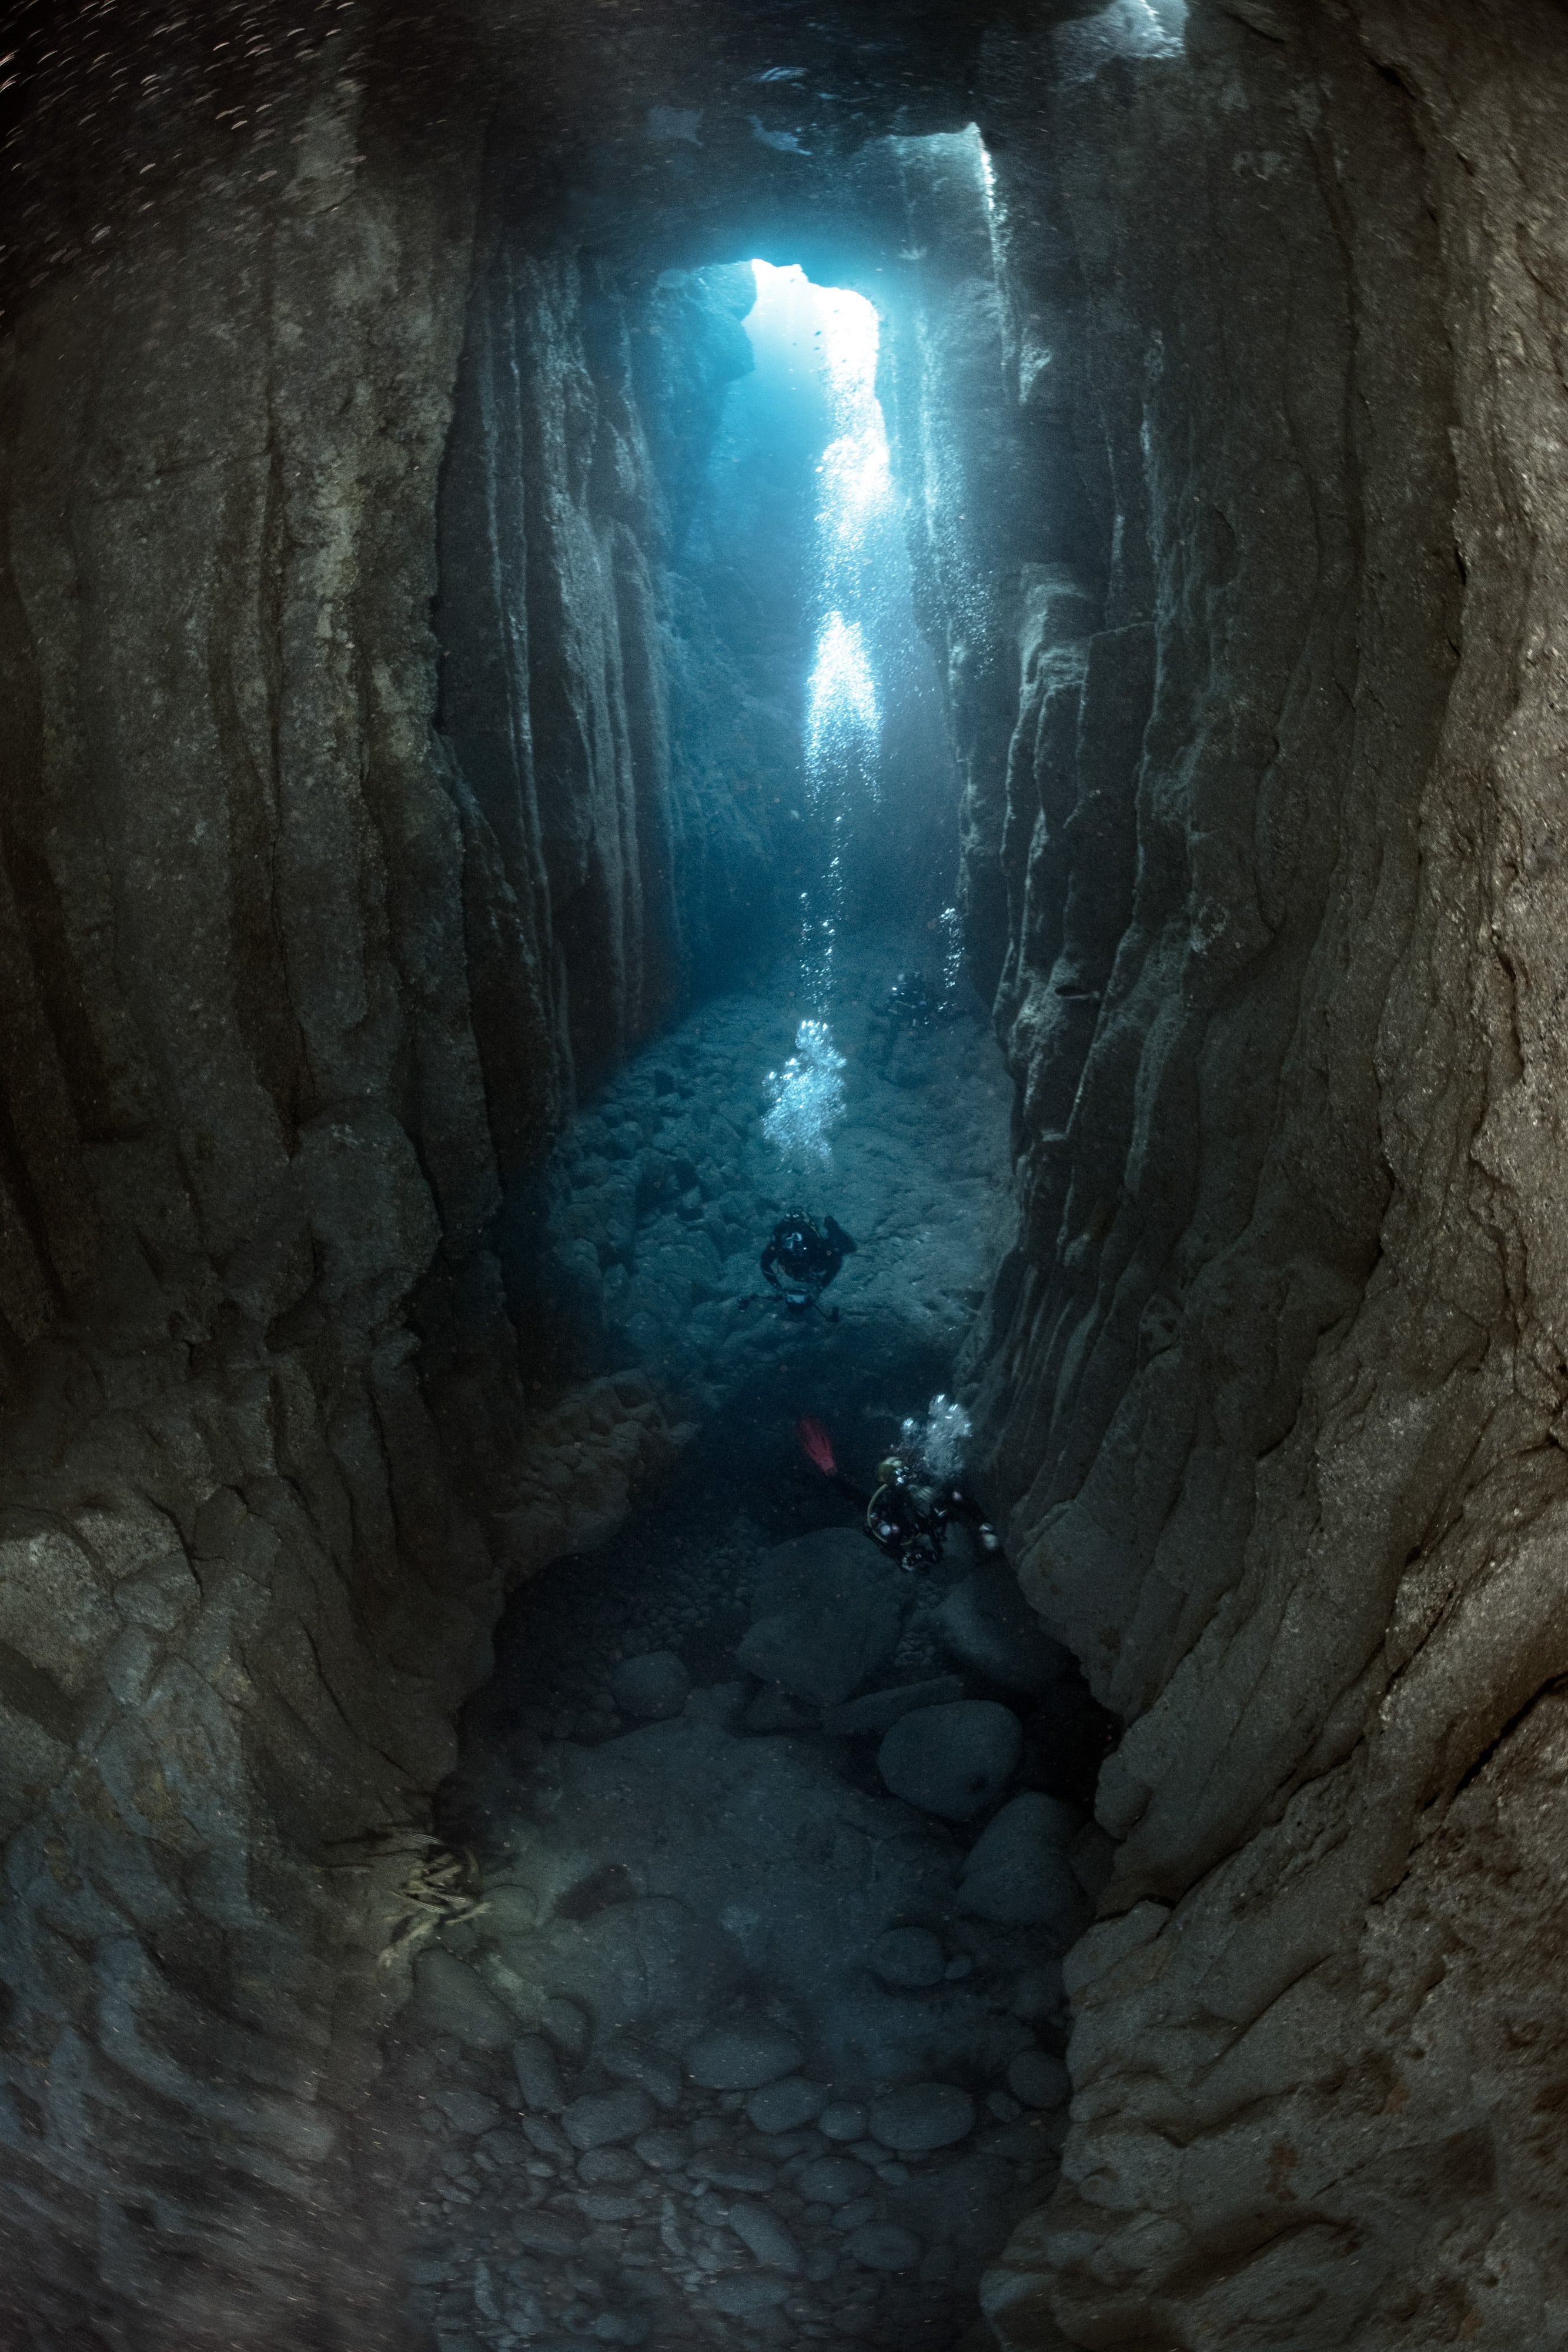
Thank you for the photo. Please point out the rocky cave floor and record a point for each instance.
(756, 2038)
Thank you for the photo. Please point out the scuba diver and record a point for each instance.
(906, 1010)
(909, 1510)
(800, 1261)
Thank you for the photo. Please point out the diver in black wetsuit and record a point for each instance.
(908, 1520)
(800, 1261)
(905, 1011)
(906, 1516)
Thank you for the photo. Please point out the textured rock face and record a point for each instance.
(1275, 1382)
(296, 984)
(1251, 605)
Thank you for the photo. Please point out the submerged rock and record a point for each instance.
(952, 1760)
(604, 2116)
(909, 1956)
(784, 2106)
(1039, 2079)
(741, 2057)
(452, 1999)
(986, 1623)
(880, 1710)
(538, 2074)
(651, 1687)
(922, 2116)
(1018, 1874)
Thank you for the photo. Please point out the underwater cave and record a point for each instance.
(782, 1297)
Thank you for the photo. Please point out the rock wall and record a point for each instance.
(303, 947)
(1276, 1384)
(307, 950)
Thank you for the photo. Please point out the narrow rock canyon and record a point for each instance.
(517, 784)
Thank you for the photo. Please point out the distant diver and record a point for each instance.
(801, 1259)
(906, 1010)
(907, 1515)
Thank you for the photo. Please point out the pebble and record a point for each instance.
(741, 2057)
(604, 2116)
(842, 2120)
(468, 2111)
(922, 2116)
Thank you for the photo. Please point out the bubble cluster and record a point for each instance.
(807, 1095)
(937, 1442)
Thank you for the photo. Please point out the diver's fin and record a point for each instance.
(817, 1445)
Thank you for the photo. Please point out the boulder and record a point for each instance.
(1018, 1874)
(1039, 2080)
(824, 1653)
(833, 2180)
(665, 2148)
(546, 2233)
(629, 2062)
(988, 1626)
(568, 2028)
(651, 1687)
(908, 1959)
(604, 2116)
(468, 2111)
(952, 1760)
(749, 2291)
(764, 2235)
(538, 2074)
(880, 1710)
(844, 2120)
(450, 1999)
(741, 2057)
(826, 1610)
(919, 2116)
(784, 2106)
(884, 2246)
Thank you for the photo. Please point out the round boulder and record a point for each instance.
(952, 1760)
(908, 1957)
(784, 2106)
(1018, 1873)
(604, 2116)
(652, 1686)
(922, 2116)
(831, 2181)
(747, 2290)
(741, 2057)
(884, 2246)
(538, 2074)
(1039, 2080)
(842, 2121)
(451, 1999)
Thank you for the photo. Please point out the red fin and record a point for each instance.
(817, 1445)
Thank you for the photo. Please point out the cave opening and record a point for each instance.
(773, 1837)
(454, 778)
